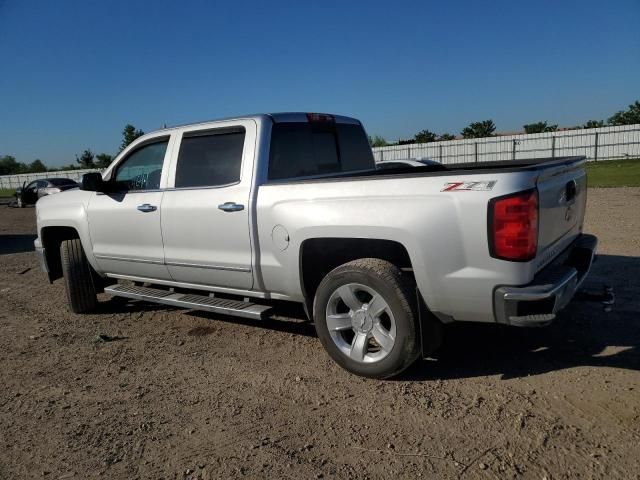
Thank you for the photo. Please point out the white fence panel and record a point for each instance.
(605, 143)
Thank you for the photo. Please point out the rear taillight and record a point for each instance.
(513, 226)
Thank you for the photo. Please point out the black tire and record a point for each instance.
(398, 292)
(78, 278)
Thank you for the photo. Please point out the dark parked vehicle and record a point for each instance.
(29, 194)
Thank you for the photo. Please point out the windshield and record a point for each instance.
(62, 182)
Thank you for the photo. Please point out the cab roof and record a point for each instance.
(278, 117)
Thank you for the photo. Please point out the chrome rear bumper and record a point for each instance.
(537, 303)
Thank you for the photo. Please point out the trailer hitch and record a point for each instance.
(605, 296)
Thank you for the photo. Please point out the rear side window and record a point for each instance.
(304, 149)
(210, 159)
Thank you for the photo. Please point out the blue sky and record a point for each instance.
(75, 72)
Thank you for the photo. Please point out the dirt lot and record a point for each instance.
(182, 394)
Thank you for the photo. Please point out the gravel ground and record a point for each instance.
(182, 394)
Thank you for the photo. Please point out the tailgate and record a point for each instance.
(562, 191)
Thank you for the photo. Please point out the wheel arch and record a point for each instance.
(318, 256)
(51, 238)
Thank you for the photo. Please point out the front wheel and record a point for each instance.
(365, 318)
(81, 290)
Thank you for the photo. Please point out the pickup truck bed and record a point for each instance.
(501, 166)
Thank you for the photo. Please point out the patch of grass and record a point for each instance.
(7, 192)
(614, 173)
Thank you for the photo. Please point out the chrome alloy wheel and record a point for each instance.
(361, 323)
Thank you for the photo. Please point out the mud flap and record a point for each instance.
(430, 328)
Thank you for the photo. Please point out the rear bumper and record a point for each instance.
(537, 303)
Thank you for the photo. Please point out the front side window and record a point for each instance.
(142, 169)
(209, 159)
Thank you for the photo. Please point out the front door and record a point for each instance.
(30, 193)
(205, 217)
(125, 223)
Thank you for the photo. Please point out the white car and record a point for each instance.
(228, 216)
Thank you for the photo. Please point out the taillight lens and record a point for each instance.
(513, 226)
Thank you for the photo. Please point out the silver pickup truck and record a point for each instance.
(231, 216)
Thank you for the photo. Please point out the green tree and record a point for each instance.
(37, 166)
(103, 160)
(539, 127)
(9, 165)
(446, 136)
(86, 159)
(425, 136)
(481, 129)
(377, 141)
(71, 166)
(593, 124)
(630, 116)
(129, 134)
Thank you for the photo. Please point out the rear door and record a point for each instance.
(206, 210)
(125, 223)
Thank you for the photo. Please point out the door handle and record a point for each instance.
(231, 207)
(147, 208)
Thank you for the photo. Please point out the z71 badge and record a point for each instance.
(468, 186)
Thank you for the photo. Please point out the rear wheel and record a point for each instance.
(19, 202)
(81, 290)
(365, 318)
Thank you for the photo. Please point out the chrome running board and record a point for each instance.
(187, 300)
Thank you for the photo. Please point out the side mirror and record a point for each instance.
(92, 182)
